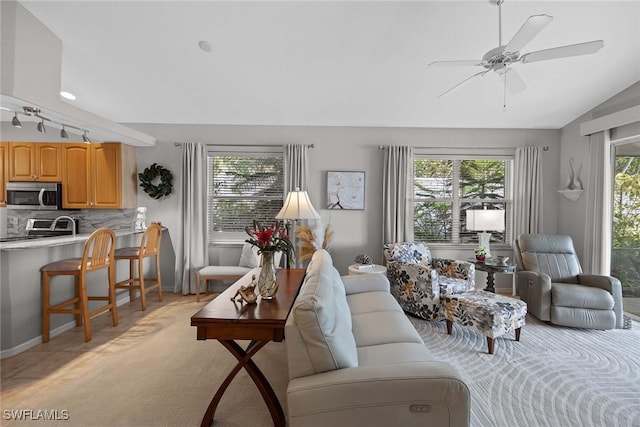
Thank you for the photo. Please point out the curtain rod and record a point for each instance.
(382, 147)
(177, 144)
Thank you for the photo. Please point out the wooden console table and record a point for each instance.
(228, 321)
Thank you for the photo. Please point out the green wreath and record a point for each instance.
(150, 174)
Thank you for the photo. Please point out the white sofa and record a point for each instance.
(356, 360)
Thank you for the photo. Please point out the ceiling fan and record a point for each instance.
(501, 58)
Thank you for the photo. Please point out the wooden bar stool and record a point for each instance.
(98, 254)
(149, 247)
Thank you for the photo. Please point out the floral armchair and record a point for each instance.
(419, 282)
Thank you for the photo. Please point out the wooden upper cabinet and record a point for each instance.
(35, 161)
(4, 172)
(99, 176)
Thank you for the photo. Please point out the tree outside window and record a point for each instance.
(445, 188)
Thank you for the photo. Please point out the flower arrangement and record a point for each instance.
(480, 251)
(273, 238)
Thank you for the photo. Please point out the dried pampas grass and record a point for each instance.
(310, 239)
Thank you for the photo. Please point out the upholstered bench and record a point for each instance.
(485, 312)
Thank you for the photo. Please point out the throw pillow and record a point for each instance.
(249, 257)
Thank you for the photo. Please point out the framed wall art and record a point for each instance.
(345, 190)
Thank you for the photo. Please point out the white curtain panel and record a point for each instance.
(527, 200)
(193, 245)
(397, 195)
(597, 254)
(296, 166)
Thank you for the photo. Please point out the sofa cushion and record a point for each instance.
(580, 296)
(383, 354)
(372, 301)
(322, 315)
(383, 327)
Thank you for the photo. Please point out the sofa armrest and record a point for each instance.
(418, 393)
(610, 284)
(356, 284)
(535, 289)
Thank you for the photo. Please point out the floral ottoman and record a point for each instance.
(485, 312)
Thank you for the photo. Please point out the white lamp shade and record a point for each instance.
(485, 220)
(297, 206)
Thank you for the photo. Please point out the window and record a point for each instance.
(444, 188)
(242, 187)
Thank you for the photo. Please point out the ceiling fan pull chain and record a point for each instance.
(504, 92)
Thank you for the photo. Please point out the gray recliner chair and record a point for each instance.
(551, 282)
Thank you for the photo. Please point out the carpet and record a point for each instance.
(555, 376)
(151, 371)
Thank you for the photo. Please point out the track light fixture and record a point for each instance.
(15, 122)
(33, 111)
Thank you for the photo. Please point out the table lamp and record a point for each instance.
(296, 207)
(484, 221)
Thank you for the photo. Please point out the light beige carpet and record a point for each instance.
(555, 376)
(151, 371)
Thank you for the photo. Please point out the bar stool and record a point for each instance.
(149, 247)
(98, 254)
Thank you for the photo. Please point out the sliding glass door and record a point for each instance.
(625, 248)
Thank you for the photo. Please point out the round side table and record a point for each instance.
(374, 269)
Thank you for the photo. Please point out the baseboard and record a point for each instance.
(10, 352)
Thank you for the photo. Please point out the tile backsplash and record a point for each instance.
(88, 219)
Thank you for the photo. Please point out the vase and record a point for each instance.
(480, 257)
(267, 284)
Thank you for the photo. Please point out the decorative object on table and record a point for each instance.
(481, 253)
(149, 181)
(502, 260)
(363, 259)
(484, 221)
(574, 187)
(310, 239)
(247, 293)
(269, 240)
(141, 218)
(345, 190)
(297, 206)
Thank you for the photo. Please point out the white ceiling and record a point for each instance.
(359, 63)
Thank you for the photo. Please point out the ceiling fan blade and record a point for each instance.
(481, 73)
(462, 62)
(586, 48)
(514, 82)
(527, 32)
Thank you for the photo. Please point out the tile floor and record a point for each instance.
(67, 355)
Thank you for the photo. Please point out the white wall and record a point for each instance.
(572, 215)
(344, 149)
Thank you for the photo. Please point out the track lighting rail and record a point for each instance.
(36, 112)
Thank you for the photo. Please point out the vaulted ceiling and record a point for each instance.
(325, 63)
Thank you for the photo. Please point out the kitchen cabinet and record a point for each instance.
(35, 161)
(99, 176)
(4, 172)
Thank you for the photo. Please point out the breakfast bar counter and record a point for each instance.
(20, 287)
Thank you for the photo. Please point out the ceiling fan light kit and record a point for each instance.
(501, 58)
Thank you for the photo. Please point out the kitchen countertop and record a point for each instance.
(55, 240)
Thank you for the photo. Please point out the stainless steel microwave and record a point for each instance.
(34, 195)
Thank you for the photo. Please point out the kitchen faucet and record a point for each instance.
(73, 223)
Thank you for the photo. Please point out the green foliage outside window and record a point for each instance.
(443, 191)
(625, 262)
(243, 188)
